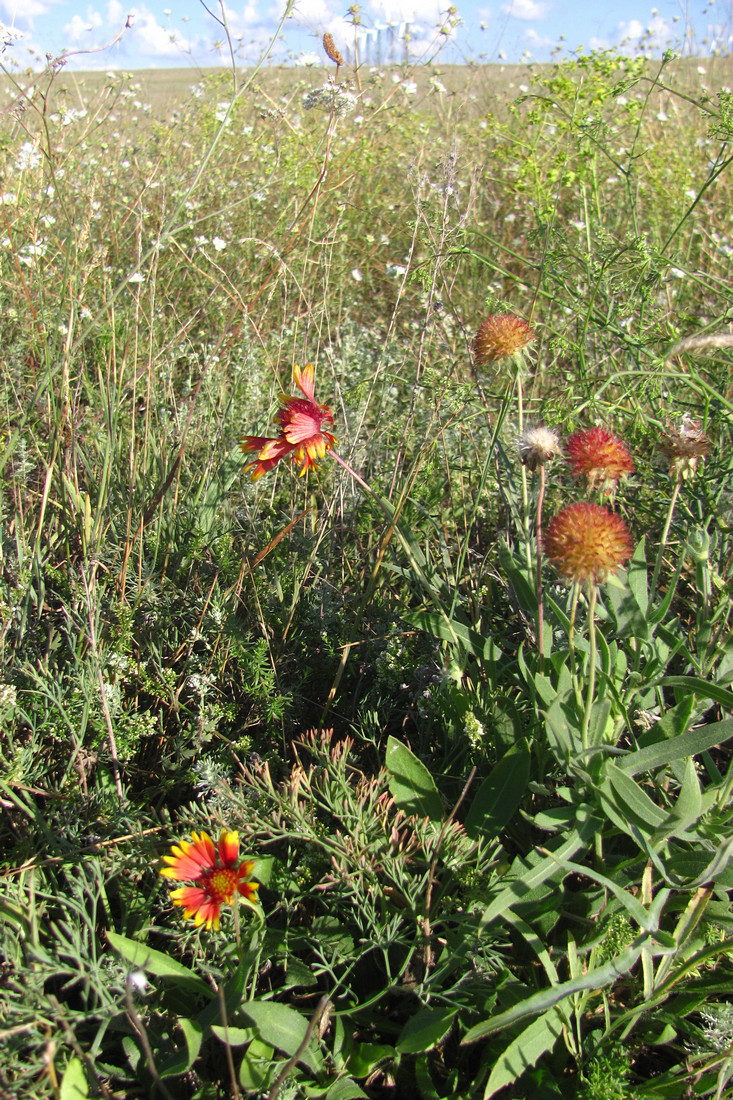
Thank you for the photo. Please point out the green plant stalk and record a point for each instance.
(538, 563)
(592, 597)
(525, 491)
(665, 535)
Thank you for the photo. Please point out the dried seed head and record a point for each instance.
(684, 447)
(330, 47)
(500, 336)
(538, 446)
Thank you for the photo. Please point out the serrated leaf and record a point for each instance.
(155, 962)
(424, 1030)
(498, 797)
(536, 1040)
(410, 783)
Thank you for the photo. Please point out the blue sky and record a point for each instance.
(158, 33)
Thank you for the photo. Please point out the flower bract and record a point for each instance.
(499, 337)
(302, 423)
(598, 456)
(586, 543)
(212, 870)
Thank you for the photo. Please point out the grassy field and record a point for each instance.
(463, 689)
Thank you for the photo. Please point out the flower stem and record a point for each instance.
(592, 596)
(538, 537)
(665, 535)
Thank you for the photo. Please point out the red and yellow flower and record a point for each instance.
(598, 456)
(587, 543)
(212, 868)
(302, 435)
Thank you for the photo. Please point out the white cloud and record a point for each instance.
(153, 40)
(658, 33)
(78, 29)
(538, 41)
(526, 9)
(407, 11)
(24, 9)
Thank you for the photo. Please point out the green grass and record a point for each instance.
(488, 865)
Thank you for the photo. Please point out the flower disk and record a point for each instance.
(499, 337)
(302, 436)
(212, 869)
(586, 543)
(598, 456)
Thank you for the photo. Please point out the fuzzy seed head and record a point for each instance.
(537, 446)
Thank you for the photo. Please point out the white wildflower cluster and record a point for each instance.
(8, 698)
(331, 97)
(8, 36)
(28, 157)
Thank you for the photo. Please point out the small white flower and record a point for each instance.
(219, 244)
(663, 116)
(28, 157)
(409, 87)
(357, 275)
(138, 277)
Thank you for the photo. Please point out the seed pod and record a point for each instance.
(330, 47)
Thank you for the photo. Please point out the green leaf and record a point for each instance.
(284, 1028)
(687, 744)
(155, 962)
(546, 999)
(233, 1036)
(536, 1040)
(629, 801)
(365, 1057)
(345, 1089)
(410, 783)
(182, 1060)
(546, 867)
(439, 625)
(424, 1030)
(257, 1066)
(74, 1083)
(230, 470)
(700, 687)
(498, 797)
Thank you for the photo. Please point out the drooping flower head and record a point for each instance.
(302, 421)
(685, 448)
(586, 543)
(212, 870)
(537, 446)
(598, 456)
(499, 337)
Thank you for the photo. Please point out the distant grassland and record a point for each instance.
(165, 89)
